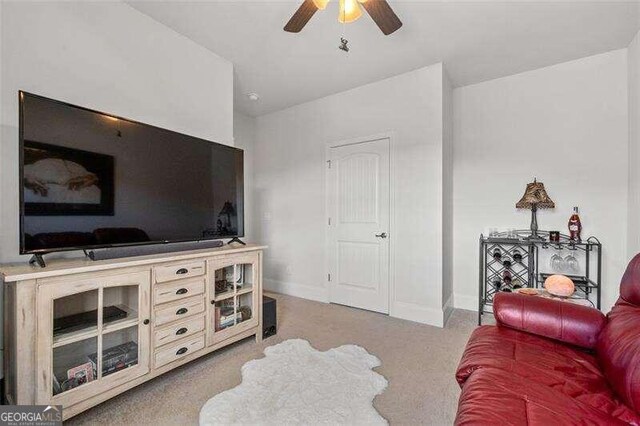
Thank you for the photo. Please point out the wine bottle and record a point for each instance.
(497, 283)
(497, 254)
(517, 256)
(575, 226)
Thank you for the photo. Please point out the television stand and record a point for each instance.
(128, 320)
(237, 240)
(37, 258)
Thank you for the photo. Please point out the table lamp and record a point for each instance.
(535, 197)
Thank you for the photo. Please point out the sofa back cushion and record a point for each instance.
(618, 347)
(630, 284)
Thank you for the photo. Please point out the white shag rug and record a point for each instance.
(297, 384)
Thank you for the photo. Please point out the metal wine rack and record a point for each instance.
(509, 261)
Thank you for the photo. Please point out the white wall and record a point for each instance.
(634, 146)
(110, 57)
(447, 195)
(567, 126)
(244, 135)
(290, 186)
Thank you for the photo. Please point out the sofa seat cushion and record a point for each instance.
(563, 369)
(491, 396)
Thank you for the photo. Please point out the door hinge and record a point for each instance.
(328, 164)
(328, 277)
(329, 221)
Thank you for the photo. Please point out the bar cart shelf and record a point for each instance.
(509, 261)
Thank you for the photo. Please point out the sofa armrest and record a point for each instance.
(570, 323)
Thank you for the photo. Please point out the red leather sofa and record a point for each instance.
(550, 363)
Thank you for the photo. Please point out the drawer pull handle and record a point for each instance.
(182, 271)
(181, 331)
(182, 311)
(181, 351)
(182, 291)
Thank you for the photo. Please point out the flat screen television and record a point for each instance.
(92, 180)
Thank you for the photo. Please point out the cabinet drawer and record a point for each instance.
(177, 290)
(177, 331)
(176, 271)
(178, 350)
(179, 310)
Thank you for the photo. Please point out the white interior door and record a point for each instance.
(358, 236)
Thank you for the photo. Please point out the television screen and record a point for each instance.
(90, 179)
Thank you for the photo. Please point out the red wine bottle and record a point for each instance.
(575, 226)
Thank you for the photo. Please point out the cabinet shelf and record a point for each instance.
(578, 280)
(75, 336)
(247, 288)
(92, 330)
(224, 295)
(129, 321)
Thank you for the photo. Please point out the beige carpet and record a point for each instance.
(419, 362)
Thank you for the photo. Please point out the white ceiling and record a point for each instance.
(476, 40)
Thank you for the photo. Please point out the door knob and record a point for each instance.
(383, 235)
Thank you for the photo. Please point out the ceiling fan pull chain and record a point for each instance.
(343, 41)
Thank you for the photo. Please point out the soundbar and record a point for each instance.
(144, 250)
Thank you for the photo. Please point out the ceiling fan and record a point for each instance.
(379, 10)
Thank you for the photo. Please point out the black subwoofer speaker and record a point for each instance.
(269, 320)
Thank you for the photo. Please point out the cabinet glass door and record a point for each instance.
(120, 331)
(233, 302)
(95, 334)
(75, 339)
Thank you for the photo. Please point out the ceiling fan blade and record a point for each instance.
(301, 17)
(382, 15)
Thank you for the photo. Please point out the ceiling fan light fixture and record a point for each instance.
(349, 11)
(379, 10)
(321, 4)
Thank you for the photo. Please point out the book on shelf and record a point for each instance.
(225, 317)
(230, 319)
(116, 358)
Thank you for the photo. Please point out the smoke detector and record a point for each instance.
(253, 96)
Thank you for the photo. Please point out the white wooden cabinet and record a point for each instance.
(79, 332)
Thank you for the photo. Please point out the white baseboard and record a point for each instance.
(417, 313)
(464, 301)
(402, 310)
(316, 293)
(447, 309)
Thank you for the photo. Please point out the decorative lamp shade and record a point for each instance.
(535, 196)
(559, 285)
